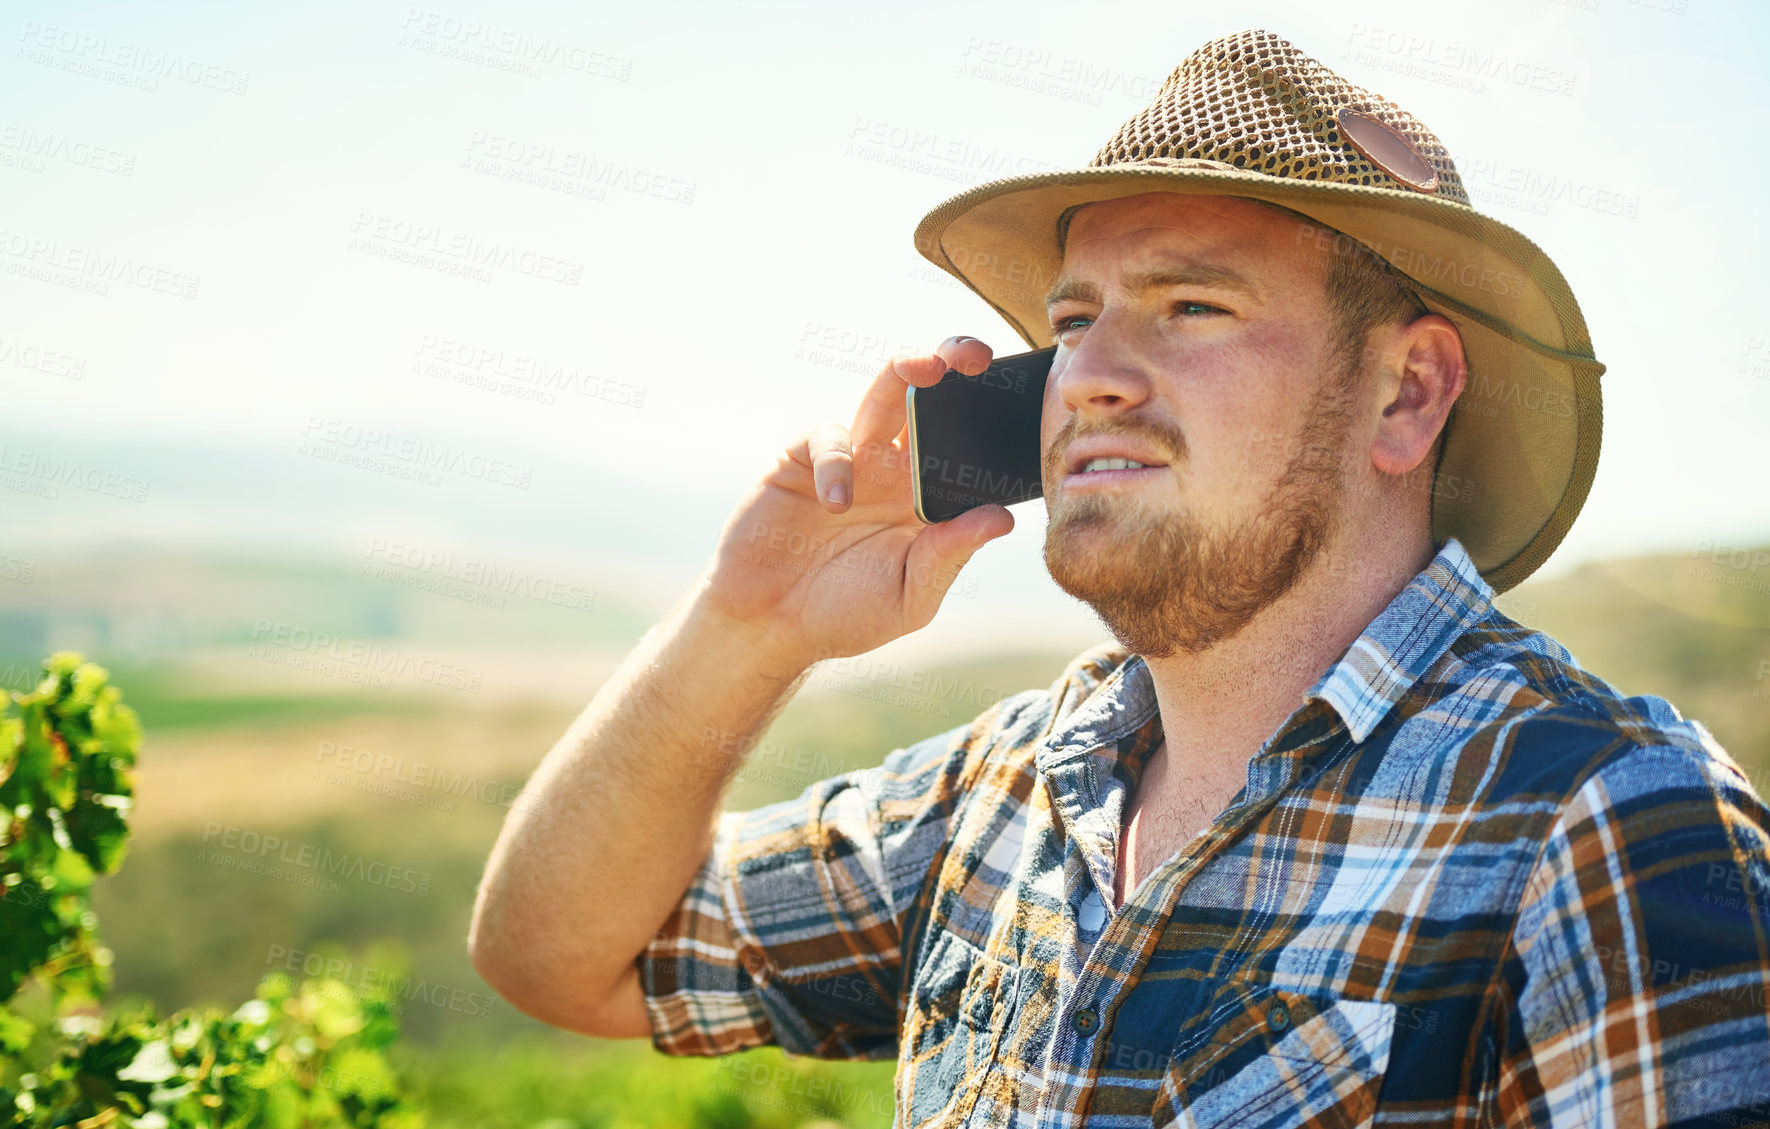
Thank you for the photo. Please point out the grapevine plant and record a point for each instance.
(297, 1055)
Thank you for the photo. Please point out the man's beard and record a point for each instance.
(1170, 584)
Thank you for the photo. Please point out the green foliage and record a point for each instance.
(296, 1055)
(64, 794)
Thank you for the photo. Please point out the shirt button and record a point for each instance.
(1278, 1016)
(1084, 1021)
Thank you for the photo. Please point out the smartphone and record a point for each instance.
(975, 439)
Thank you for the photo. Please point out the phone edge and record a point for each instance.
(909, 410)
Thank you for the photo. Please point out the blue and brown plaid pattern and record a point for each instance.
(1467, 884)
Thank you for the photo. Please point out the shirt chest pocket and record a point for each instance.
(962, 1005)
(1279, 1057)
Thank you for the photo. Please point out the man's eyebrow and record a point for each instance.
(1192, 274)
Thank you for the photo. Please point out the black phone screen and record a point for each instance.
(975, 439)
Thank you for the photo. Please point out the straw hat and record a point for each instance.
(1250, 115)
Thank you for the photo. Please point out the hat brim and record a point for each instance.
(1522, 443)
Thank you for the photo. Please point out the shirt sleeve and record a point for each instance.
(793, 930)
(1640, 969)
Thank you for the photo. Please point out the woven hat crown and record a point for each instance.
(1254, 102)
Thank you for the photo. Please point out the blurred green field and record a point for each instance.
(470, 1086)
(414, 778)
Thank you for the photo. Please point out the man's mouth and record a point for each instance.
(1093, 465)
(1108, 461)
(1106, 453)
(1112, 476)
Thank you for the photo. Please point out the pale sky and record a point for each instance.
(724, 255)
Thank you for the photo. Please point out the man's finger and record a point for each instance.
(964, 354)
(941, 550)
(881, 414)
(832, 466)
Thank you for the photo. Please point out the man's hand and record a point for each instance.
(826, 557)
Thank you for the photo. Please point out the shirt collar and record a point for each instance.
(1444, 600)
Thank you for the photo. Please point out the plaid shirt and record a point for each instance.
(1467, 883)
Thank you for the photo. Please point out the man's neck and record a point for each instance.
(1219, 705)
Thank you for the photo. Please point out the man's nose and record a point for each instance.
(1100, 375)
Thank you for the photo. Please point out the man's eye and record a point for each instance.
(1198, 308)
(1063, 325)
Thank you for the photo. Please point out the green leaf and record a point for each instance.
(153, 1063)
(15, 1031)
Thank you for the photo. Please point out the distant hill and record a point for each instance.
(1693, 629)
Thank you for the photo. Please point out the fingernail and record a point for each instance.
(837, 493)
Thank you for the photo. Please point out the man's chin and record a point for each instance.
(1099, 520)
(1096, 559)
(1160, 588)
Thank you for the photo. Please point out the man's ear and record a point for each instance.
(1421, 376)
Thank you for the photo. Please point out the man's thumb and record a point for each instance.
(940, 551)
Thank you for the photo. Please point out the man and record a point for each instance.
(1324, 838)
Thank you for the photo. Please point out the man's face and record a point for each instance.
(1194, 337)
